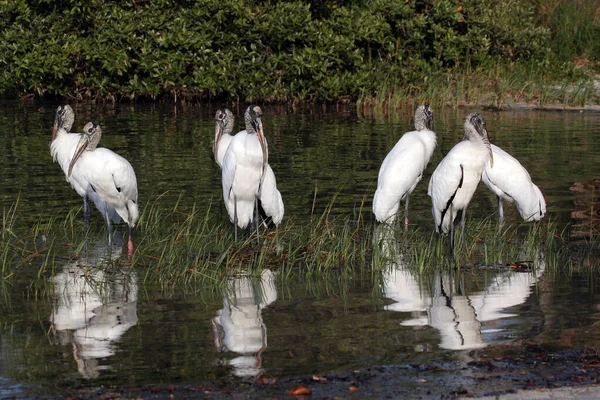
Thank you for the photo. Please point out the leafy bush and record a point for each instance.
(254, 50)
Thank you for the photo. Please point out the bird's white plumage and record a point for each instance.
(462, 167)
(222, 146)
(62, 149)
(456, 177)
(270, 198)
(245, 171)
(242, 172)
(403, 166)
(112, 178)
(400, 172)
(269, 195)
(510, 181)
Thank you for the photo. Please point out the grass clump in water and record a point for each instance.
(482, 245)
(190, 249)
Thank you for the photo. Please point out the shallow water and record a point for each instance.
(111, 329)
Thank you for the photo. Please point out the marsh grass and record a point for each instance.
(491, 85)
(482, 245)
(190, 250)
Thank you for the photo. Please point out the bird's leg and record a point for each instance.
(500, 212)
(451, 230)
(86, 212)
(130, 243)
(406, 210)
(108, 226)
(86, 221)
(235, 217)
(256, 218)
(462, 223)
(462, 218)
(499, 247)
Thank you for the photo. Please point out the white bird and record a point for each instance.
(109, 177)
(403, 167)
(63, 147)
(510, 181)
(243, 170)
(269, 196)
(456, 177)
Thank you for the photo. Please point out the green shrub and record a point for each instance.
(255, 50)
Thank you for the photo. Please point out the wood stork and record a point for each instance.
(62, 149)
(269, 196)
(110, 177)
(243, 174)
(510, 181)
(403, 167)
(456, 177)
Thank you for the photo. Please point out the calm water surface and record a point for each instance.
(111, 329)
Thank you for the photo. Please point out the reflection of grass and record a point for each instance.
(178, 249)
(481, 245)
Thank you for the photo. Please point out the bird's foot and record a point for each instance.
(129, 248)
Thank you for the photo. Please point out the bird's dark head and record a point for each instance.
(476, 131)
(255, 114)
(221, 115)
(424, 118)
(253, 119)
(224, 119)
(478, 123)
(64, 119)
(223, 126)
(90, 137)
(91, 128)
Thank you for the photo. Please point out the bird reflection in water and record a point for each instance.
(470, 321)
(400, 283)
(94, 305)
(239, 327)
(464, 320)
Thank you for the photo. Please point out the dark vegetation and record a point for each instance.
(379, 51)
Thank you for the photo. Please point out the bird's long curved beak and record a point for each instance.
(491, 158)
(218, 134)
(81, 146)
(262, 140)
(54, 130)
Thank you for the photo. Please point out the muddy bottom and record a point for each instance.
(532, 368)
